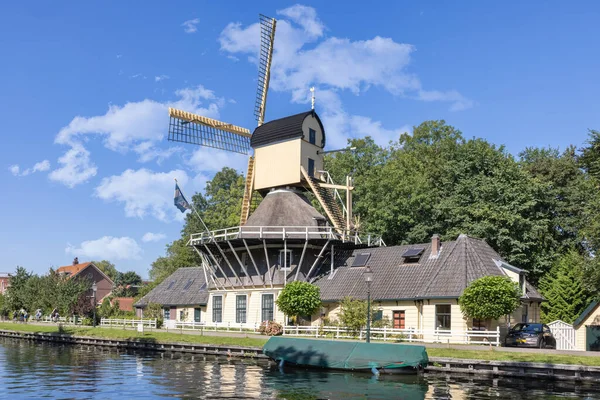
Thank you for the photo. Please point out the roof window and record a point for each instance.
(413, 255)
(188, 284)
(170, 285)
(361, 259)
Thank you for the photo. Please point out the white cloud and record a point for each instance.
(161, 78)
(14, 169)
(37, 167)
(213, 160)
(119, 55)
(107, 248)
(76, 167)
(144, 192)
(135, 126)
(153, 237)
(334, 63)
(191, 26)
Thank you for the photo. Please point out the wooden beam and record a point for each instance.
(218, 266)
(212, 273)
(241, 265)
(317, 260)
(229, 265)
(301, 259)
(254, 263)
(268, 265)
(332, 186)
(199, 119)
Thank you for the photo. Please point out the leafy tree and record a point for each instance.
(590, 155)
(353, 314)
(108, 268)
(154, 310)
(564, 290)
(124, 283)
(299, 299)
(16, 293)
(490, 297)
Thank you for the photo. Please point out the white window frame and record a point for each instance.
(436, 316)
(245, 309)
(282, 264)
(262, 307)
(212, 308)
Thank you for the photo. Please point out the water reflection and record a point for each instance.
(57, 371)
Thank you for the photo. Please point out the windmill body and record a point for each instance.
(285, 238)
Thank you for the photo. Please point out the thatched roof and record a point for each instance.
(285, 208)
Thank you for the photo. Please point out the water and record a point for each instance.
(45, 370)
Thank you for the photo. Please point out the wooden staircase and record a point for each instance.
(248, 190)
(327, 199)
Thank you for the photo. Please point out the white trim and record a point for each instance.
(212, 307)
(436, 315)
(245, 308)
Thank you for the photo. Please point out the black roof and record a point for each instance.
(282, 129)
(186, 286)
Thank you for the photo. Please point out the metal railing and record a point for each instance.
(329, 180)
(284, 232)
(400, 335)
(133, 323)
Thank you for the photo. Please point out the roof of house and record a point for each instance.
(283, 129)
(74, 269)
(586, 313)
(285, 208)
(446, 275)
(125, 303)
(186, 286)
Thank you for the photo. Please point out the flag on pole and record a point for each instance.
(180, 201)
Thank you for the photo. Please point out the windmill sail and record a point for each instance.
(191, 128)
(267, 38)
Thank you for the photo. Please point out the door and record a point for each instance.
(399, 320)
(197, 314)
(173, 313)
(592, 338)
(311, 167)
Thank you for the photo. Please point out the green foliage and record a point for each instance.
(490, 297)
(299, 298)
(108, 268)
(353, 314)
(563, 289)
(154, 311)
(124, 283)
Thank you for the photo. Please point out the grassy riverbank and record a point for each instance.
(488, 354)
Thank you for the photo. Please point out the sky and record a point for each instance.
(86, 168)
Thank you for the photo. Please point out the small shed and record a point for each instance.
(587, 328)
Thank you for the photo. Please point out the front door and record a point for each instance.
(196, 315)
(399, 320)
(592, 336)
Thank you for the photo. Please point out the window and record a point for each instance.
(217, 309)
(285, 262)
(442, 316)
(399, 319)
(524, 315)
(311, 167)
(188, 284)
(170, 285)
(167, 314)
(312, 136)
(240, 309)
(412, 255)
(267, 307)
(197, 312)
(360, 260)
(479, 324)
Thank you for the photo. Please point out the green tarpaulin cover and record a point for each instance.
(345, 355)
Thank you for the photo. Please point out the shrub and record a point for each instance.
(270, 328)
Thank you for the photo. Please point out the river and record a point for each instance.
(46, 370)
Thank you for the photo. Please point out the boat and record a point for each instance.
(377, 358)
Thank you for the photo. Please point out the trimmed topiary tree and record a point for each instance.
(490, 297)
(299, 299)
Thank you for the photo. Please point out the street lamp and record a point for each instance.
(368, 274)
(94, 288)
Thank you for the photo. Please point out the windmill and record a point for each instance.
(284, 153)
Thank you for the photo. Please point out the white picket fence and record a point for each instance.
(564, 334)
(133, 323)
(404, 335)
(223, 327)
(62, 320)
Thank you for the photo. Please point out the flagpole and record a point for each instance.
(194, 208)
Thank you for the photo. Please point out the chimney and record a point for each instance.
(436, 244)
(75, 261)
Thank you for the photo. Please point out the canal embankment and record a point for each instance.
(482, 362)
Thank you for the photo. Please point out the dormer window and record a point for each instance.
(360, 260)
(413, 255)
(312, 136)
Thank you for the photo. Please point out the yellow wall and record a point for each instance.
(580, 331)
(311, 122)
(190, 313)
(253, 306)
(277, 164)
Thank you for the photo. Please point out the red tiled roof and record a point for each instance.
(125, 303)
(72, 269)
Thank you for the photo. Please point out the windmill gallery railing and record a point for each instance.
(284, 233)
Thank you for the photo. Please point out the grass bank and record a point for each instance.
(486, 354)
(116, 333)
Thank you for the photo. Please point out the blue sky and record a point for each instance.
(87, 171)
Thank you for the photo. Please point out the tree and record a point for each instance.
(108, 268)
(299, 299)
(564, 290)
(353, 314)
(490, 297)
(16, 294)
(124, 283)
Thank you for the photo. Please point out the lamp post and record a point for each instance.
(94, 288)
(368, 274)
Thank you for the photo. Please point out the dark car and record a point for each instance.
(530, 335)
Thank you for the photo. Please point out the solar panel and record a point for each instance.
(413, 252)
(361, 259)
(188, 284)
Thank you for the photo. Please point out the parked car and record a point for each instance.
(530, 335)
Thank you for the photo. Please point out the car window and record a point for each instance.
(536, 328)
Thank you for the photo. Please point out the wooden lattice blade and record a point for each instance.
(192, 128)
